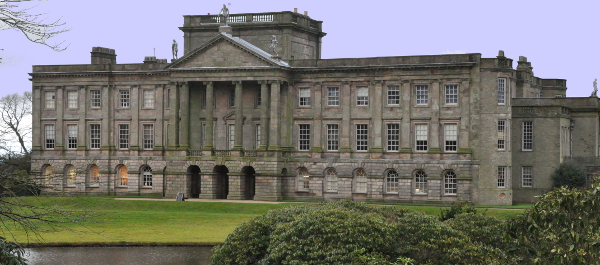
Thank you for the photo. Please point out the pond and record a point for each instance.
(147, 255)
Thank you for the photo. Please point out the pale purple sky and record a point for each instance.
(559, 38)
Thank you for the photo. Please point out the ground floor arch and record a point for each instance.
(193, 173)
(222, 181)
(249, 177)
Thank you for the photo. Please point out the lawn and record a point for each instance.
(166, 221)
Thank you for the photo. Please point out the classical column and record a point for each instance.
(237, 144)
(173, 117)
(59, 127)
(435, 130)
(208, 138)
(81, 128)
(159, 130)
(377, 115)
(345, 130)
(264, 115)
(406, 105)
(134, 128)
(317, 118)
(274, 125)
(184, 98)
(105, 125)
(465, 110)
(36, 114)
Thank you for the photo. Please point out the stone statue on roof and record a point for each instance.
(594, 94)
(273, 45)
(175, 49)
(224, 14)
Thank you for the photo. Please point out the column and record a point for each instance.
(465, 110)
(317, 118)
(134, 128)
(81, 127)
(237, 144)
(407, 106)
(59, 127)
(106, 143)
(38, 132)
(208, 138)
(174, 117)
(274, 125)
(345, 130)
(184, 98)
(264, 115)
(435, 130)
(377, 115)
(159, 111)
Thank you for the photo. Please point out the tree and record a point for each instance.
(30, 25)
(15, 120)
(569, 174)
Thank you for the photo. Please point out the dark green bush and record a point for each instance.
(11, 253)
(456, 209)
(569, 174)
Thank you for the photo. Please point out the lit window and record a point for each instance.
(303, 179)
(123, 176)
(94, 176)
(331, 180)
(332, 137)
(450, 137)
(333, 96)
(362, 96)
(124, 98)
(304, 96)
(501, 134)
(527, 136)
(451, 94)
(123, 136)
(527, 177)
(361, 137)
(148, 99)
(391, 182)
(147, 176)
(360, 180)
(304, 137)
(421, 137)
(393, 136)
(49, 131)
(72, 99)
(393, 95)
(450, 183)
(50, 100)
(231, 135)
(502, 177)
(501, 91)
(95, 99)
(148, 137)
(72, 136)
(94, 136)
(422, 94)
(71, 175)
(420, 182)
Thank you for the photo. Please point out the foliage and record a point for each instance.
(562, 228)
(11, 253)
(350, 233)
(569, 174)
(456, 209)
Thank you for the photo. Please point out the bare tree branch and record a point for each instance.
(15, 120)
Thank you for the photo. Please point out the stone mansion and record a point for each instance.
(251, 111)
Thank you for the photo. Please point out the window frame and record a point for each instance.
(72, 99)
(148, 99)
(48, 99)
(230, 136)
(449, 96)
(421, 147)
(390, 147)
(304, 138)
(257, 136)
(148, 139)
(422, 94)
(502, 134)
(49, 138)
(123, 141)
(332, 135)
(501, 91)
(95, 99)
(527, 136)
(95, 142)
(448, 146)
(392, 182)
(362, 101)
(362, 137)
(123, 174)
(93, 177)
(361, 180)
(333, 96)
(420, 180)
(527, 177)
(501, 177)
(124, 99)
(70, 176)
(147, 177)
(71, 135)
(303, 100)
(231, 101)
(450, 183)
(393, 99)
(258, 98)
(303, 179)
(331, 180)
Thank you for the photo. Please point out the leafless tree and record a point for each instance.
(31, 25)
(15, 120)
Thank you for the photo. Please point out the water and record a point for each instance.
(159, 255)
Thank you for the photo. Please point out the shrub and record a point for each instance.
(456, 209)
(569, 174)
(11, 253)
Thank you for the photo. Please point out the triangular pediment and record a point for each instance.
(225, 51)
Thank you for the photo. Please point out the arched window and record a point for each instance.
(391, 182)
(147, 176)
(360, 180)
(70, 175)
(331, 183)
(420, 182)
(123, 176)
(450, 182)
(48, 175)
(303, 179)
(94, 176)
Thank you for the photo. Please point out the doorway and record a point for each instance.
(193, 173)
(222, 181)
(249, 176)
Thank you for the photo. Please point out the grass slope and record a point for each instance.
(164, 221)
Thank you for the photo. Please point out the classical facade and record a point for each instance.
(251, 111)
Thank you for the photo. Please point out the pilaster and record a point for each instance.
(238, 141)
(174, 117)
(208, 138)
(264, 115)
(317, 146)
(377, 115)
(134, 130)
(274, 137)
(82, 111)
(184, 108)
(60, 110)
(345, 104)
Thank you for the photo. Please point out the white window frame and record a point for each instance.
(450, 183)
(393, 95)
(304, 137)
(331, 180)
(123, 174)
(50, 99)
(303, 179)
(527, 177)
(49, 136)
(147, 177)
(72, 102)
(502, 126)
(148, 98)
(422, 94)
(95, 136)
(501, 91)
(362, 96)
(450, 137)
(502, 177)
(72, 136)
(124, 99)
(304, 96)
(147, 136)
(527, 140)
(451, 94)
(95, 99)
(420, 182)
(333, 137)
(360, 181)
(362, 137)
(393, 137)
(421, 137)
(392, 182)
(333, 96)
(123, 139)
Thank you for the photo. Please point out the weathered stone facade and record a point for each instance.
(437, 128)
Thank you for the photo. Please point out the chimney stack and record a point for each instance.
(295, 10)
(101, 55)
(306, 13)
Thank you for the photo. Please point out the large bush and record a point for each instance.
(569, 174)
(351, 233)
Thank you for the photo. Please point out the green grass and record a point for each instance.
(167, 221)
